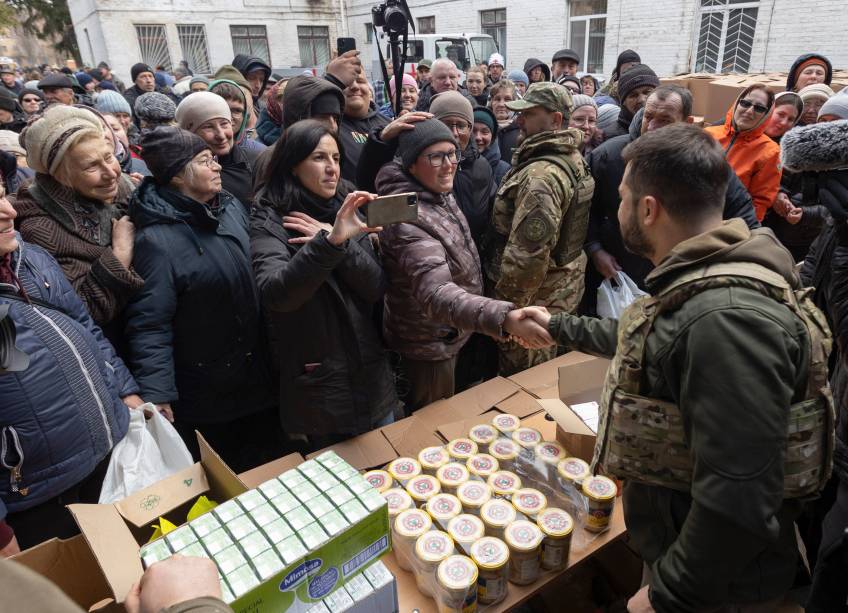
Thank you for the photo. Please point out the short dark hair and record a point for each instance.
(681, 166)
(664, 91)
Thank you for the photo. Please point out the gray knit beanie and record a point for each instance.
(452, 104)
(428, 132)
(154, 107)
(608, 115)
(583, 100)
(108, 101)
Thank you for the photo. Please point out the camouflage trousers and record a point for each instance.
(561, 292)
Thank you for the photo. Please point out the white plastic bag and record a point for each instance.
(613, 298)
(151, 451)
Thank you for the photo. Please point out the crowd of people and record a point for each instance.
(200, 243)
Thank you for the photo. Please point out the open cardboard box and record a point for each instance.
(72, 567)
(578, 382)
(114, 532)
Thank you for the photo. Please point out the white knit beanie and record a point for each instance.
(48, 140)
(200, 107)
(10, 142)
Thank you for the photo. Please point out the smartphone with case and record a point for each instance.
(396, 208)
(345, 44)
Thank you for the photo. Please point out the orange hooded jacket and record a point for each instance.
(753, 156)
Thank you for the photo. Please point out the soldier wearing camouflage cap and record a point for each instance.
(534, 251)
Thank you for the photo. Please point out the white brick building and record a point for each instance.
(672, 36)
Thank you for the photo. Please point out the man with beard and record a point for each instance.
(700, 413)
(534, 250)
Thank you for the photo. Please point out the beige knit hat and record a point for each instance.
(816, 90)
(200, 107)
(48, 139)
(9, 142)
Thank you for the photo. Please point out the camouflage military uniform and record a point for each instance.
(534, 252)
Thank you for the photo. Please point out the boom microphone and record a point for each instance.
(815, 148)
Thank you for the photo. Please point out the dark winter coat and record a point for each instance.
(434, 299)
(499, 166)
(237, 173)
(267, 131)
(194, 331)
(353, 134)
(607, 168)
(532, 63)
(62, 415)
(508, 141)
(78, 233)
(729, 539)
(798, 237)
(318, 301)
(474, 189)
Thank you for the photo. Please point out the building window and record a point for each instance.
(369, 33)
(726, 36)
(251, 41)
(427, 25)
(314, 44)
(153, 45)
(587, 32)
(493, 23)
(195, 49)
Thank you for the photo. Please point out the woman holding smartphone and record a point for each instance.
(319, 280)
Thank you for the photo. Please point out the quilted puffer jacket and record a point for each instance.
(61, 415)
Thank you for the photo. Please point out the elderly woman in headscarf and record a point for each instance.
(75, 208)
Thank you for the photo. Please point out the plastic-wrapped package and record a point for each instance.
(406, 530)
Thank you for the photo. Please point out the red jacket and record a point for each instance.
(754, 157)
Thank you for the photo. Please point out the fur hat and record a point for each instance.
(48, 139)
(428, 132)
(817, 147)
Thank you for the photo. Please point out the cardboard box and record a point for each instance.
(114, 533)
(542, 381)
(71, 565)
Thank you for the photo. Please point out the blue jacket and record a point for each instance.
(63, 414)
(194, 329)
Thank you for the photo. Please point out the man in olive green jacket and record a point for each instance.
(728, 360)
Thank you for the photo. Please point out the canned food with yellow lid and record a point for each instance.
(462, 448)
(404, 469)
(600, 493)
(550, 452)
(527, 437)
(452, 475)
(380, 480)
(406, 529)
(504, 483)
(557, 526)
(483, 434)
(573, 471)
(505, 451)
(496, 515)
(443, 507)
(529, 501)
(473, 495)
(525, 540)
(482, 465)
(430, 549)
(431, 458)
(491, 555)
(457, 580)
(465, 529)
(397, 501)
(422, 488)
(506, 423)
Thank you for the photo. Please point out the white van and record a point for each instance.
(465, 50)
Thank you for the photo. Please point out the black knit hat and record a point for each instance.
(638, 76)
(428, 132)
(7, 103)
(167, 150)
(137, 69)
(626, 57)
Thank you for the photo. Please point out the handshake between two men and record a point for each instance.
(529, 327)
